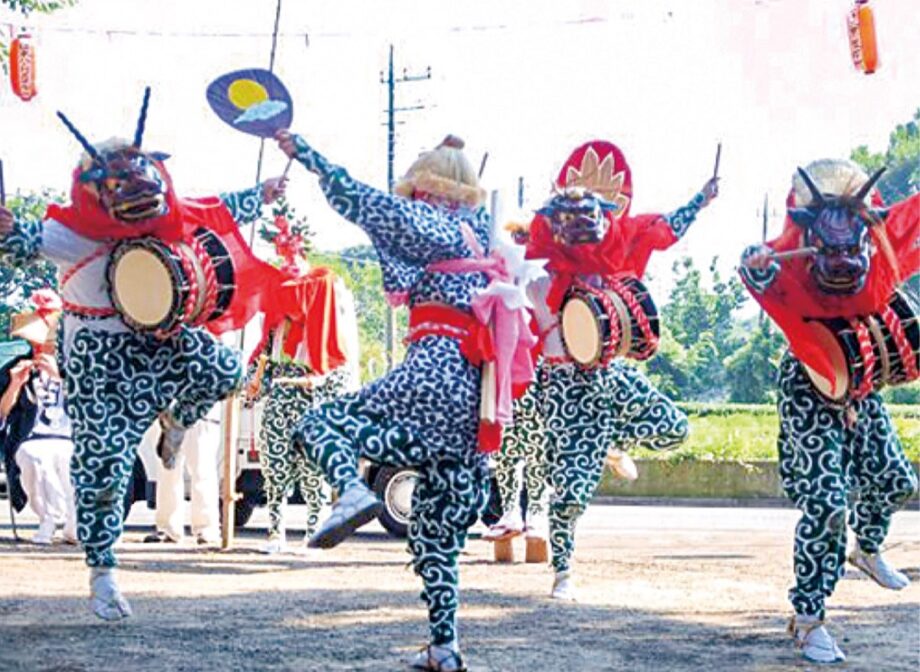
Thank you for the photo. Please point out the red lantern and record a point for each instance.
(861, 29)
(22, 67)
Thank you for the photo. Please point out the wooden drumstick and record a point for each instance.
(793, 254)
(715, 170)
(287, 168)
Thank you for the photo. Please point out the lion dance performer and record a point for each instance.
(141, 271)
(592, 310)
(830, 281)
(301, 362)
(454, 388)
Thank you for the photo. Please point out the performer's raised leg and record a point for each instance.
(645, 418)
(884, 482)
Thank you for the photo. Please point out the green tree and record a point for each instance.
(25, 7)
(752, 369)
(902, 158)
(701, 321)
(18, 283)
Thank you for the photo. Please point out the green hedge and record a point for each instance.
(738, 432)
(699, 409)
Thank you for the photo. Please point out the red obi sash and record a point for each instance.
(476, 345)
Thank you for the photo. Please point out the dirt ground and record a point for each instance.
(662, 588)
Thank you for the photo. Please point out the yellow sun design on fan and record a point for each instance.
(244, 93)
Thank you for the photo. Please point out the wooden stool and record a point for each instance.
(537, 550)
(504, 550)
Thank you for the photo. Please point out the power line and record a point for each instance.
(391, 81)
(306, 35)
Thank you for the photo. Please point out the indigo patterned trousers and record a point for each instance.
(450, 493)
(283, 467)
(524, 442)
(828, 466)
(587, 413)
(116, 386)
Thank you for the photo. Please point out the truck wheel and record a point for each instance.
(394, 487)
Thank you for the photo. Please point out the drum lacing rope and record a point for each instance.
(635, 309)
(189, 306)
(905, 352)
(867, 353)
(75, 308)
(210, 280)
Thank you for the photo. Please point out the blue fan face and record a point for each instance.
(252, 101)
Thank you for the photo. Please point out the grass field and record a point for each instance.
(748, 432)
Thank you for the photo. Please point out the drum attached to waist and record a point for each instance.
(869, 352)
(158, 286)
(619, 320)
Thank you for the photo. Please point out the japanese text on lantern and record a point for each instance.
(861, 29)
(22, 67)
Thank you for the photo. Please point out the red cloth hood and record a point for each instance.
(600, 167)
(625, 250)
(308, 302)
(793, 299)
(85, 216)
(254, 278)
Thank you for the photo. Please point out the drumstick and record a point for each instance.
(2, 187)
(792, 254)
(715, 170)
(286, 169)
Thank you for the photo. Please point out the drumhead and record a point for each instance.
(142, 286)
(580, 331)
(837, 388)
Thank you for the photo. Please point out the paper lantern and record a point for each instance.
(861, 29)
(22, 67)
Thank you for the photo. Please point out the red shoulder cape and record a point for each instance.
(793, 299)
(254, 278)
(625, 249)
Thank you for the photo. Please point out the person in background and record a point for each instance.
(305, 358)
(199, 455)
(35, 429)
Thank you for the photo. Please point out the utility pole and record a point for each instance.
(763, 239)
(391, 81)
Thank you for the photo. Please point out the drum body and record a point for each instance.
(158, 286)
(617, 320)
(869, 352)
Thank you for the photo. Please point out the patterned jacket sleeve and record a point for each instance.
(757, 279)
(400, 228)
(681, 219)
(244, 206)
(23, 244)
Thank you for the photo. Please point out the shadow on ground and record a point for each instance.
(320, 629)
